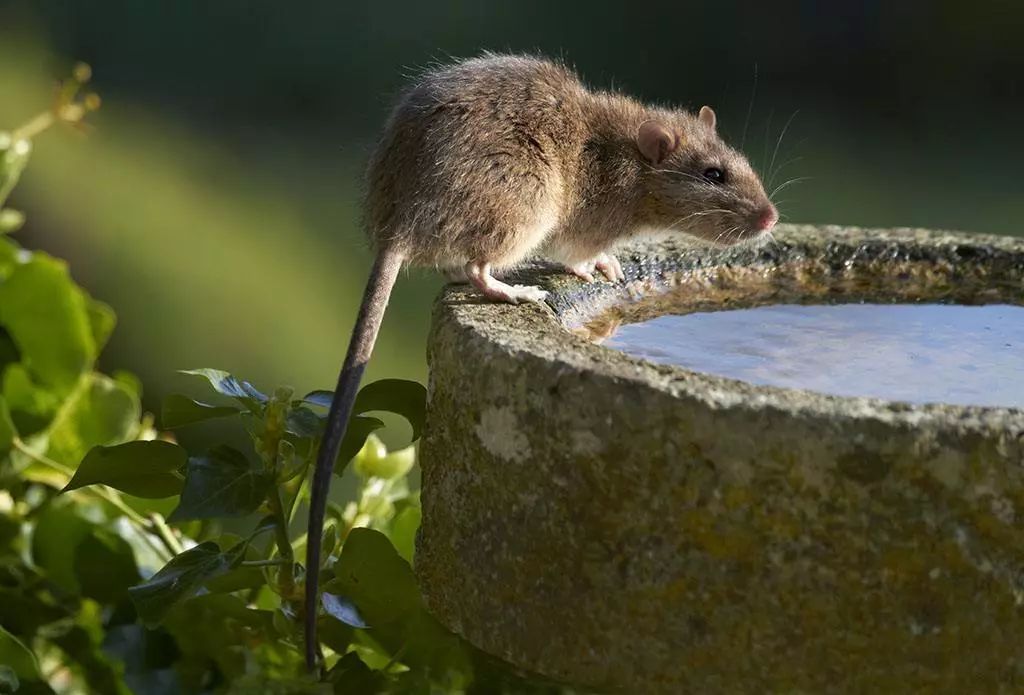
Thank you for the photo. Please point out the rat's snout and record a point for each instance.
(766, 218)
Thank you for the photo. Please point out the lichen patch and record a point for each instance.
(500, 434)
(585, 442)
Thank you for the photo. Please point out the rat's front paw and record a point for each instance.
(584, 271)
(610, 266)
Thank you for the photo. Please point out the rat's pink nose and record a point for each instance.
(767, 219)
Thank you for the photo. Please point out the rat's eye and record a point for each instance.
(714, 175)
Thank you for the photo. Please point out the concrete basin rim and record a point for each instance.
(538, 333)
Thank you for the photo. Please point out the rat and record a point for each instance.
(489, 161)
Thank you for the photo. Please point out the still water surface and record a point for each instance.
(922, 353)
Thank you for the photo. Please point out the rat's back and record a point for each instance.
(473, 154)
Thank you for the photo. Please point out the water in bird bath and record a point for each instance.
(921, 353)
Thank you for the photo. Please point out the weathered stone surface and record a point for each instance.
(629, 526)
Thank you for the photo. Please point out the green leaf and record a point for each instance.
(11, 220)
(344, 610)
(57, 345)
(13, 158)
(31, 406)
(403, 531)
(329, 540)
(7, 429)
(143, 469)
(182, 578)
(105, 566)
(400, 396)
(374, 461)
(8, 679)
(320, 398)
(58, 532)
(129, 381)
(18, 657)
(22, 611)
(241, 577)
(303, 422)
(351, 675)
(359, 428)
(11, 255)
(147, 558)
(8, 350)
(101, 321)
(266, 684)
(223, 483)
(179, 411)
(218, 631)
(83, 654)
(100, 413)
(228, 385)
(334, 633)
(406, 398)
(290, 462)
(238, 579)
(381, 584)
(10, 529)
(375, 577)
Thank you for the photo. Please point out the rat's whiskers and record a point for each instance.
(778, 143)
(782, 186)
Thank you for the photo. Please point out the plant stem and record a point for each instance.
(275, 562)
(284, 545)
(33, 127)
(395, 657)
(285, 576)
(294, 506)
(165, 533)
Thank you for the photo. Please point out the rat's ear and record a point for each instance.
(655, 141)
(707, 116)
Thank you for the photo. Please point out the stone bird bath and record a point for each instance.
(621, 525)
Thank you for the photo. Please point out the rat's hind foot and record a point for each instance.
(608, 265)
(480, 275)
(527, 293)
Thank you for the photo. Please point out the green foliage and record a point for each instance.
(99, 592)
(144, 469)
(222, 483)
(180, 410)
(17, 658)
(227, 385)
(182, 578)
(380, 583)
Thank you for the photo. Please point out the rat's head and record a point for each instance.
(697, 184)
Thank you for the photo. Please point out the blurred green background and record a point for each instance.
(215, 205)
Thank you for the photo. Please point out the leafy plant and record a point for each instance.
(129, 564)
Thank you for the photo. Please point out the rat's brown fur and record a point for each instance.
(499, 157)
(488, 161)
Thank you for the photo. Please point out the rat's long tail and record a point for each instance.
(371, 312)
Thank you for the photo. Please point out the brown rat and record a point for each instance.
(490, 161)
